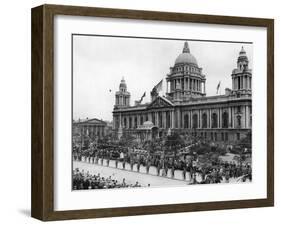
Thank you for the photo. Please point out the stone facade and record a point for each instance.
(92, 128)
(186, 109)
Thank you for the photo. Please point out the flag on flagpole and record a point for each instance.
(158, 87)
(218, 86)
(142, 97)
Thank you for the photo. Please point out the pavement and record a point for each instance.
(132, 177)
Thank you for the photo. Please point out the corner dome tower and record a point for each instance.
(122, 97)
(186, 57)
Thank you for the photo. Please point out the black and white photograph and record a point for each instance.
(153, 112)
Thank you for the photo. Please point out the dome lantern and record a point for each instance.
(186, 57)
(186, 48)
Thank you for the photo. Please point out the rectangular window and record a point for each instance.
(222, 136)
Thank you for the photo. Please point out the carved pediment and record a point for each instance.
(160, 102)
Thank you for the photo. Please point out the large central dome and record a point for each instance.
(186, 57)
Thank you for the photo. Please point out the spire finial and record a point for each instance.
(186, 48)
(242, 51)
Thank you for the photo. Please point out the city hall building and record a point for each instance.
(185, 108)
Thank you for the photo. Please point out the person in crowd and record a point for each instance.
(107, 161)
(158, 168)
(82, 181)
(124, 163)
(173, 171)
(132, 164)
(138, 165)
(147, 166)
(184, 172)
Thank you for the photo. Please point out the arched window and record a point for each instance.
(204, 120)
(225, 120)
(214, 120)
(185, 121)
(195, 121)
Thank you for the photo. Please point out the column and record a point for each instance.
(172, 120)
(164, 119)
(128, 123)
(199, 119)
(179, 118)
(220, 118)
(138, 120)
(232, 114)
(245, 118)
(133, 121)
(156, 119)
(229, 118)
(191, 120)
(210, 118)
(193, 84)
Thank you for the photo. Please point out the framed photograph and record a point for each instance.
(141, 112)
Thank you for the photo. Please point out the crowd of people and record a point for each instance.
(83, 181)
(191, 169)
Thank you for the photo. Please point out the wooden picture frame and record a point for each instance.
(42, 203)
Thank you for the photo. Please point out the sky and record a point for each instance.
(99, 63)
